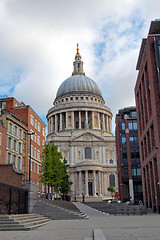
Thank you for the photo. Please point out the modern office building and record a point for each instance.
(20, 121)
(81, 126)
(128, 159)
(147, 94)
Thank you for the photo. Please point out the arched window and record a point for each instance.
(88, 153)
(112, 180)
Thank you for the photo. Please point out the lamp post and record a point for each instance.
(30, 134)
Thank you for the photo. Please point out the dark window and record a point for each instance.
(112, 180)
(77, 125)
(133, 114)
(78, 65)
(88, 153)
(124, 155)
(82, 124)
(111, 161)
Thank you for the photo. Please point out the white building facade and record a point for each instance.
(81, 126)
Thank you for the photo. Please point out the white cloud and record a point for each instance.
(38, 40)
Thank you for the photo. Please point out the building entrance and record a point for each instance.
(90, 189)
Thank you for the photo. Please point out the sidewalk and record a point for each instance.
(146, 227)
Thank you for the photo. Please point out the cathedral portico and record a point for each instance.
(81, 126)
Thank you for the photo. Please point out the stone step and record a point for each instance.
(22, 222)
(57, 212)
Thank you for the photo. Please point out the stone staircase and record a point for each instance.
(118, 208)
(22, 222)
(57, 209)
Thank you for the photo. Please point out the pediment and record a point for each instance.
(87, 137)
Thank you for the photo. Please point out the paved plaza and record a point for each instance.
(145, 227)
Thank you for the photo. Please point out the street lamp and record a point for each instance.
(30, 134)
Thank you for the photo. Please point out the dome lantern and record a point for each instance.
(78, 64)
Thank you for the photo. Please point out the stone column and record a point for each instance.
(99, 126)
(92, 120)
(86, 183)
(79, 120)
(51, 130)
(60, 122)
(100, 183)
(56, 125)
(80, 184)
(70, 155)
(107, 123)
(73, 120)
(66, 120)
(94, 183)
(86, 120)
(104, 157)
(103, 122)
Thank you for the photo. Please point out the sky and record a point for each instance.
(38, 40)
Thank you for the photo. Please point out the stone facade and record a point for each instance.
(81, 126)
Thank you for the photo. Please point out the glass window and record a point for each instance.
(20, 133)
(32, 120)
(123, 140)
(38, 154)
(20, 147)
(35, 152)
(131, 139)
(37, 168)
(134, 125)
(32, 135)
(9, 142)
(15, 130)
(19, 163)
(133, 114)
(24, 135)
(24, 146)
(3, 105)
(35, 124)
(8, 158)
(31, 150)
(10, 127)
(123, 126)
(38, 140)
(130, 126)
(39, 127)
(112, 180)
(15, 145)
(88, 153)
(43, 132)
(138, 172)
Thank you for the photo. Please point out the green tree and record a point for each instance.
(66, 182)
(111, 190)
(54, 170)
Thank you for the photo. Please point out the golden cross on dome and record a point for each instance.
(77, 49)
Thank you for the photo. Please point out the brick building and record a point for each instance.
(128, 159)
(19, 119)
(147, 94)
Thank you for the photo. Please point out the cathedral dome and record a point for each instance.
(78, 84)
